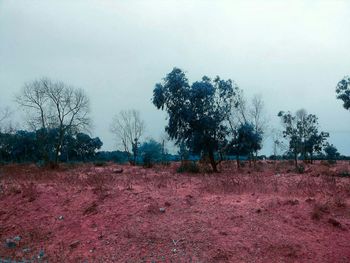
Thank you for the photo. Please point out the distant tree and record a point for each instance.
(4, 115)
(246, 141)
(86, 146)
(343, 91)
(151, 152)
(128, 127)
(253, 113)
(198, 113)
(55, 105)
(302, 131)
(331, 153)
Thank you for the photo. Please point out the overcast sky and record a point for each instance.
(291, 52)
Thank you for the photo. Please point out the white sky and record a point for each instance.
(291, 52)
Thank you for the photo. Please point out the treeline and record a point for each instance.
(36, 146)
(209, 119)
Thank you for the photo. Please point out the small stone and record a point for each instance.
(60, 218)
(162, 210)
(91, 250)
(17, 238)
(174, 250)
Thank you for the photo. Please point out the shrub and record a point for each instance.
(188, 167)
(344, 174)
(100, 163)
(300, 169)
(151, 152)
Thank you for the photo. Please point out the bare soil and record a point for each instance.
(267, 213)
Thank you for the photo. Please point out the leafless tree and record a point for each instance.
(253, 113)
(52, 104)
(5, 114)
(128, 128)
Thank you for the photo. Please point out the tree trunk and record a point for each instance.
(296, 160)
(238, 163)
(212, 161)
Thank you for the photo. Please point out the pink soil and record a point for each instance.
(265, 214)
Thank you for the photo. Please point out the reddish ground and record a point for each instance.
(91, 214)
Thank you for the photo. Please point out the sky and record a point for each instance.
(292, 53)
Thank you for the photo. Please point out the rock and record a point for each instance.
(74, 244)
(118, 171)
(17, 238)
(26, 250)
(162, 210)
(60, 218)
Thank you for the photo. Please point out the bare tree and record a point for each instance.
(257, 114)
(253, 113)
(239, 112)
(5, 114)
(55, 105)
(128, 129)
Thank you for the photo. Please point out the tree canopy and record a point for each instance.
(343, 91)
(198, 112)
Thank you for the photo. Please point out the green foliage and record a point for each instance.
(39, 146)
(246, 140)
(331, 153)
(151, 153)
(302, 132)
(343, 91)
(198, 113)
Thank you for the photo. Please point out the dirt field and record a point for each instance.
(92, 214)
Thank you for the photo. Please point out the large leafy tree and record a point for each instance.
(302, 131)
(198, 113)
(343, 91)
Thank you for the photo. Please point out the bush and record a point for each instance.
(344, 173)
(100, 163)
(300, 169)
(188, 167)
(151, 152)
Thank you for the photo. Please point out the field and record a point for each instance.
(84, 213)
